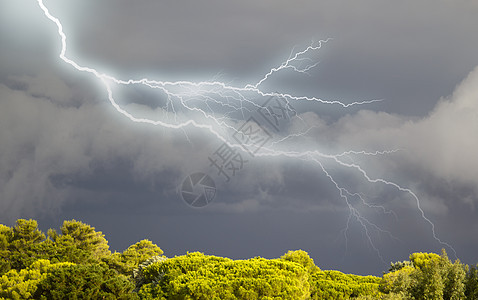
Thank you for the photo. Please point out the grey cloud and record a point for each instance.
(442, 143)
(435, 159)
(395, 43)
(66, 153)
(48, 147)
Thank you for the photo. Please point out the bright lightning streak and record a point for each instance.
(184, 95)
(294, 56)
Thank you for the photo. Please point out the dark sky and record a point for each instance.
(66, 152)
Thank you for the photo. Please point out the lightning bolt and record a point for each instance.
(203, 99)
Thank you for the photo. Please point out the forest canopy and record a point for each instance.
(76, 263)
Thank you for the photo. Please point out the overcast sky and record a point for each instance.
(65, 152)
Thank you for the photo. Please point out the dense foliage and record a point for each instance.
(76, 263)
(428, 276)
(197, 276)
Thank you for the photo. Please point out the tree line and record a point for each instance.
(76, 263)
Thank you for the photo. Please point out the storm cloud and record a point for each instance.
(66, 153)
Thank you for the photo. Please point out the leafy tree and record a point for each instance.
(302, 258)
(79, 243)
(337, 285)
(21, 245)
(333, 284)
(454, 278)
(138, 274)
(400, 265)
(196, 276)
(471, 283)
(6, 235)
(420, 260)
(429, 276)
(76, 263)
(91, 281)
(428, 281)
(127, 261)
(86, 238)
(23, 284)
(398, 281)
(27, 231)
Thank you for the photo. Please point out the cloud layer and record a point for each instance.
(64, 152)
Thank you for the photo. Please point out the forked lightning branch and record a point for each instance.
(224, 111)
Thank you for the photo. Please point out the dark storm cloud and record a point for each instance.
(400, 51)
(65, 153)
(48, 147)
